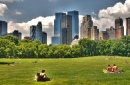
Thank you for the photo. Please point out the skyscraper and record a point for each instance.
(111, 33)
(17, 34)
(75, 23)
(44, 37)
(66, 36)
(57, 29)
(3, 28)
(119, 28)
(36, 32)
(85, 29)
(94, 33)
(128, 26)
(32, 32)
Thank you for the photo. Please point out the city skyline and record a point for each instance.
(103, 12)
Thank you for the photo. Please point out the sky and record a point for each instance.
(21, 14)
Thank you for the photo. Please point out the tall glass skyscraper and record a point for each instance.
(36, 32)
(66, 27)
(75, 23)
(3, 28)
(57, 29)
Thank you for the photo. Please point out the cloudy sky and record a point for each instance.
(21, 14)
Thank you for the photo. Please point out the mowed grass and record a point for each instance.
(69, 71)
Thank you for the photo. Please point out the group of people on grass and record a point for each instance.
(41, 76)
(113, 69)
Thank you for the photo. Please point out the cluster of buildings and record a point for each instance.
(3, 30)
(66, 29)
(35, 32)
(87, 30)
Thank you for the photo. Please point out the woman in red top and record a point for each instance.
(109, 68)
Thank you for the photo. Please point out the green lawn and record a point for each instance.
(70, 71)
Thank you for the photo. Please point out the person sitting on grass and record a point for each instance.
(44, 77)
(114, 68)
(37, 77)
(109, 68)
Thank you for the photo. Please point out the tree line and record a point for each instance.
(11, 46)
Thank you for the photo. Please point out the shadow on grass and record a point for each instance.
(6, 63)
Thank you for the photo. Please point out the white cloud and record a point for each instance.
(106, 17)
(24, 27)
(3, 8)
(10, 0)
(18, 13)
(93, 13)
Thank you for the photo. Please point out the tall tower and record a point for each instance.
(66, 36)
(36, 32)
(85, 29)
(3, 28)
(94, 33)
(119, 28)
(57, 28)
(75, 23)
(44, 36)
(39, 31)
(128, 26)
(32, 32)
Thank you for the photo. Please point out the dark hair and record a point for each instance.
(114, 64)
(43, 71)
(38, 74)
(108, 65)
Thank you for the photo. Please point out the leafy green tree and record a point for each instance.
(12, 38)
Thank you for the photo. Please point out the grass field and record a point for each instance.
(70, 71)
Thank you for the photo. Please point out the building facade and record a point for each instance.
(94, 33)
(75, 23)
(66, 36)
(57, 29)
(128, 26)
(36, 32)
(111, 33)
(44, 37)
(85, 29)
(3, 28)
(17, 34)
(119, 29)
(103, 35)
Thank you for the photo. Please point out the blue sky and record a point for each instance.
(20, 14)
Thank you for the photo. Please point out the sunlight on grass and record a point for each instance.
(70, 71)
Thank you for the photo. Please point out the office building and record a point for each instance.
(128, 26)
(17, 34)
(111, 33)
(94, 33)
(85, 29)
(44, 37)
(119, 29)
(66, 36)
(103, 35)
(36, 32)
(75, 23)
(57, 29)
(3, 28)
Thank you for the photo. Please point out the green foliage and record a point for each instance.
(13, 47)
(12, 38)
